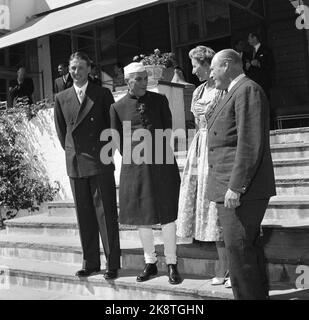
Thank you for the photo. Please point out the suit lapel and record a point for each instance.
(72, 103)
(224, 101)
(86, 105)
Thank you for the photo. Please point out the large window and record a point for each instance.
(188, 25)
(216, 17)
(201, 20)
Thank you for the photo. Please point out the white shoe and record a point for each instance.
(228, 283)
(217, 281)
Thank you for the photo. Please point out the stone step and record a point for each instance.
(285, 248)
(292, 185)
(60, 226)
(286, 166)
(293, 208)
(278, 151)
(289, 135)
(58, 277)
(291, 166)
(14, 292)
(281, 207)
(290, 150)
(51, 278)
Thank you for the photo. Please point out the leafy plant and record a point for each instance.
(166, 59)
(21, 185)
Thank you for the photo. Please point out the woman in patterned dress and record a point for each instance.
(197, 217)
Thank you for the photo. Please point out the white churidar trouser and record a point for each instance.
(169, 240)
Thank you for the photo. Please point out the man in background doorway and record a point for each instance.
(260, 67)
(20, 89)
(64, 81)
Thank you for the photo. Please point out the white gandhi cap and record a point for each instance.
(133, 68)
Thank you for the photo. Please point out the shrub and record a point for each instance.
(21, 185)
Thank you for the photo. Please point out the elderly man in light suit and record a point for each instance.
(241, 176)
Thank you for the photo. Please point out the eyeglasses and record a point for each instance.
(141, 108)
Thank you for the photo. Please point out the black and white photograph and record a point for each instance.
(154, 153)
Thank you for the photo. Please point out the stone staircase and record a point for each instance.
(40, 254)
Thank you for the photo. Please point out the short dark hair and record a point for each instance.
(82, 56)
(255, 34)
(20, 66)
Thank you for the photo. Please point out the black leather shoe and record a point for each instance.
(110, 274)
(173, 275)
(149, 270)
(86, 272)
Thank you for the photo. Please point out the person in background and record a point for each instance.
(179, 76)
(260, 65)
(240, 47)
(94, 75)
(64, 81)
(118, 79)
(260, 68)
(20, 89)
(197, 217)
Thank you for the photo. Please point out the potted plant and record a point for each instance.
(157, 64)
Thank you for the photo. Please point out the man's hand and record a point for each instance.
(231, 199)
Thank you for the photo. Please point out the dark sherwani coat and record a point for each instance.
(148, 192)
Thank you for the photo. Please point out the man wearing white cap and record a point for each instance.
(149, 191)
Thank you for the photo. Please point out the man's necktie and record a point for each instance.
(254, 53)
(80, 96)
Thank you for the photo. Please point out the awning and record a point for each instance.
(70, 17)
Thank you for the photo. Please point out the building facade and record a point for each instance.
(114, 32)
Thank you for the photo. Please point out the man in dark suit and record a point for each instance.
(64, 81)
(81, 114)
(260, 64)
(94, 75)
(240, 47)
(259, 68)
(241, 176)
(20, 88)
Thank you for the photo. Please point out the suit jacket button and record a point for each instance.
(91, 119)
(215, 133)
(210, 166)
(211, 150)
